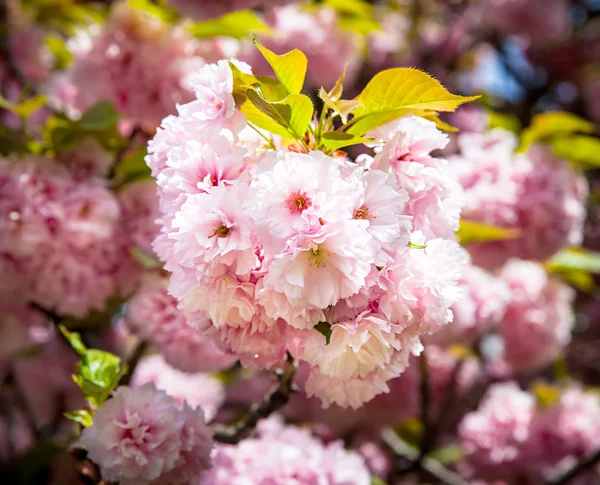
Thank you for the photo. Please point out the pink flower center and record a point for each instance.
(362, 213)
(298, 202)
(316, 257)
(221, 231)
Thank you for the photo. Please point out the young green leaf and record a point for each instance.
(447, 455)
(147, 261)
(574, 259)
(582, 150)
(238, 25)
(133, 167)
(545, 394)
(342, 107)
(290, 68)
(81, 416)
(397, 92)
(551, 124)
(99, 117)
(292, 114)
(334, 140)
(325, 329)
(472, 232)
(58, 48)
(25, 109)
(98, 372)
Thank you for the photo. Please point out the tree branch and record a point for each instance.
(432, 467)
(132, 361)
(579, 467)
(276, 399)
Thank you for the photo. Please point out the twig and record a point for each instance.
(433, 467)
(450, 394)
(428, 430)
(579, 467)
(133, 361)
(276, 399)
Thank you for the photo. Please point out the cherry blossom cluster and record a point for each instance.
(537, 194)
(513, 437)
(131, 49)
(304, 252)
(286, 454)
(143, 436)
(62, 246)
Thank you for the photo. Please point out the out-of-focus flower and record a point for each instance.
(539, 21)
(197, 390)
(480, 309)
(494, 437)
(60, 235)
(139, 212)
(286, 454)
(539, 195)
(153, 315)
(141, 436)
(132, 49)
(539, 318)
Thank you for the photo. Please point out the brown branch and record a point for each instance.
(429, 465)
(274, 400)
(133, 361)
(579, 467)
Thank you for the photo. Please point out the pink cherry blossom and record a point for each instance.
(140, 436)
(153, 315)
(435, 199)
(130, 50)
(538, 320)
(197, 390)
(286, 454)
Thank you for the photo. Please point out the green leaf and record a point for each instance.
(325, 329)
(447, 455)
(290, 68)
(334, 140)
(74, 339)
(575, 259)
(25, 109)
(551, 124)
(560, 369)
(545, 394)
(505, 121)
(399, 91)
(355, 15)
(13, 141)
(58, 48)
(416, 246)
(81, 416)
(411, 430)
(292, 114)
(133, 167)
(582, 150)
(377, 481)
(238, 25)
(166, 14)
(99, 117)
(472, 232)
(147, 261)
(98, 372)
(342, 107)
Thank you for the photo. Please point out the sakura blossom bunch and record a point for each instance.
(132, 49)
(306, 252)
(538, 195)
(141, 436)
(60, 238)
(282, 454)
(520, 435)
